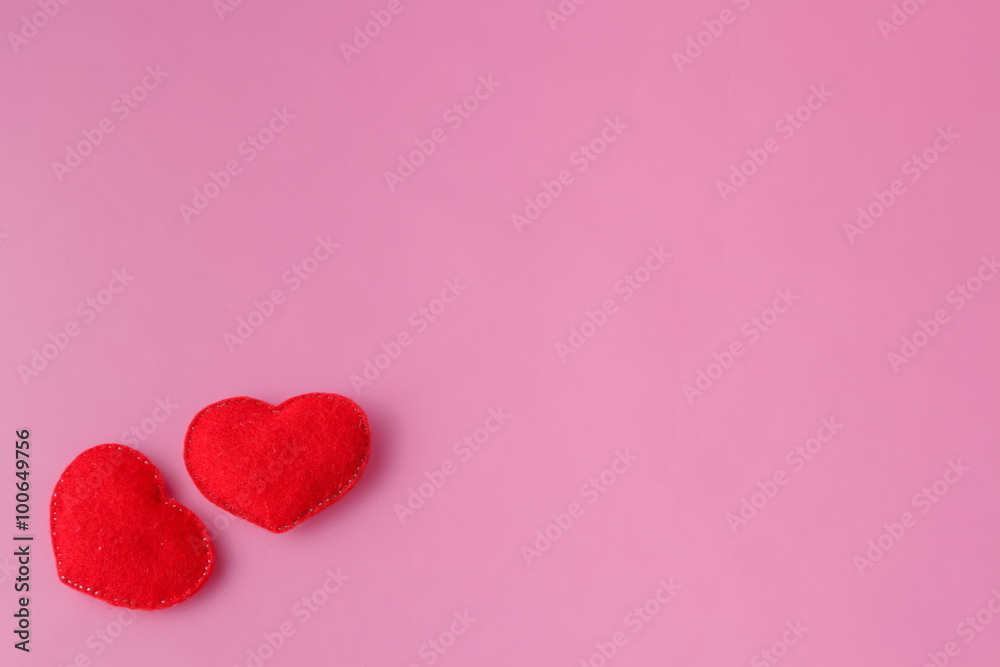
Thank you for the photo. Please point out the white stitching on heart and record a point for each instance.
(162, 493)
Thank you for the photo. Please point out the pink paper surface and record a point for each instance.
(755, 429)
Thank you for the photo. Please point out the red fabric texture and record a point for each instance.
(118, 537)
(276, 466)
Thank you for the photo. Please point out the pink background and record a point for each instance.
(665, 518)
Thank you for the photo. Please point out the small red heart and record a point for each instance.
(118, 537)
(277, 465)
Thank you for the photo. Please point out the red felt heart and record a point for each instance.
(118, 537)
(277, 465)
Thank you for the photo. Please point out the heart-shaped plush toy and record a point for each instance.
(277, 465)
(118, 537)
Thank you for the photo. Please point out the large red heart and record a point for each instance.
(277, 465)
(118, 537)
